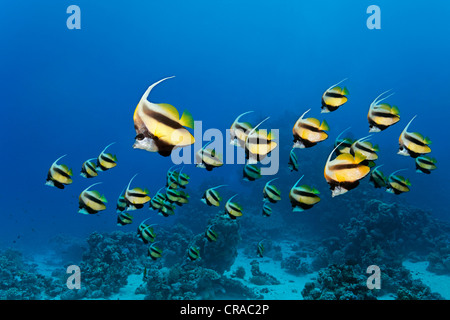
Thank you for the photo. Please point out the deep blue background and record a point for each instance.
(74, 91)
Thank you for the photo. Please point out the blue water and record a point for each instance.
(74, 91)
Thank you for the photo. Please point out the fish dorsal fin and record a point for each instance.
(229, 200)
(268, 182)
(346, 157)
(376, 101)
(159, 190)
(207, 144)
(334, 85)
(254, 129)
(90, 160)
(376, 168)
(363, 139)
(393, 173)
(242, 114)
(337, 90)
(313, 121)
(187, 120)
(142, 223)
(129, 183)
(169, 110)
(340, 134)
(147, 92)
(91, 186)
(331, 153)
(409, 123)
(384, 106)
(54, 163)
(295, 185)
(108, 146)
(222, 185)
(301, 117)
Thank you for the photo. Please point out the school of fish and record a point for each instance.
(160, 128)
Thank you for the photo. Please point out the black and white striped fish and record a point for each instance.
(59, 175)
(334, 97)
(159, 127)
(89, 169)
(106, 161)
(91, 201)
(382, 115)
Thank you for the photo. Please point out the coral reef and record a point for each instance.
(337, 282)
(107, 263)
(349, 282)
(192, 282)
(261, 278)
(20, 281)
(219, 255)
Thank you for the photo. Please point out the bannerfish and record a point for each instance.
(293, 161)
(303, 197)
(259, 143)
(156, 202)
(147, 234)
(377, 178)
(308, 132)
(193, 253)
(176, 179)
(425, 164)
(154, 252)
(208, 158)
(267, 210)
(366, 149)
(142, 226)
(413, 143)
(251, 172)
(210, 234)
(239, 131)
(167, 209)
(271, 192)
(182, 179)
(344, 172)
(172, 178)
(124, 218)
(91, 201)
(59, 175)
(382, 115)
(106, 161)
(89, 169)
(178, 197)
(343, 145)
(136, 197)
(159, 127)
(260, 249)
(211, 197)
(334, 97)
(397, 184)
(233, 209)
(121, 204)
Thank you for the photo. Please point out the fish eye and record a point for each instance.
(140, 136)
